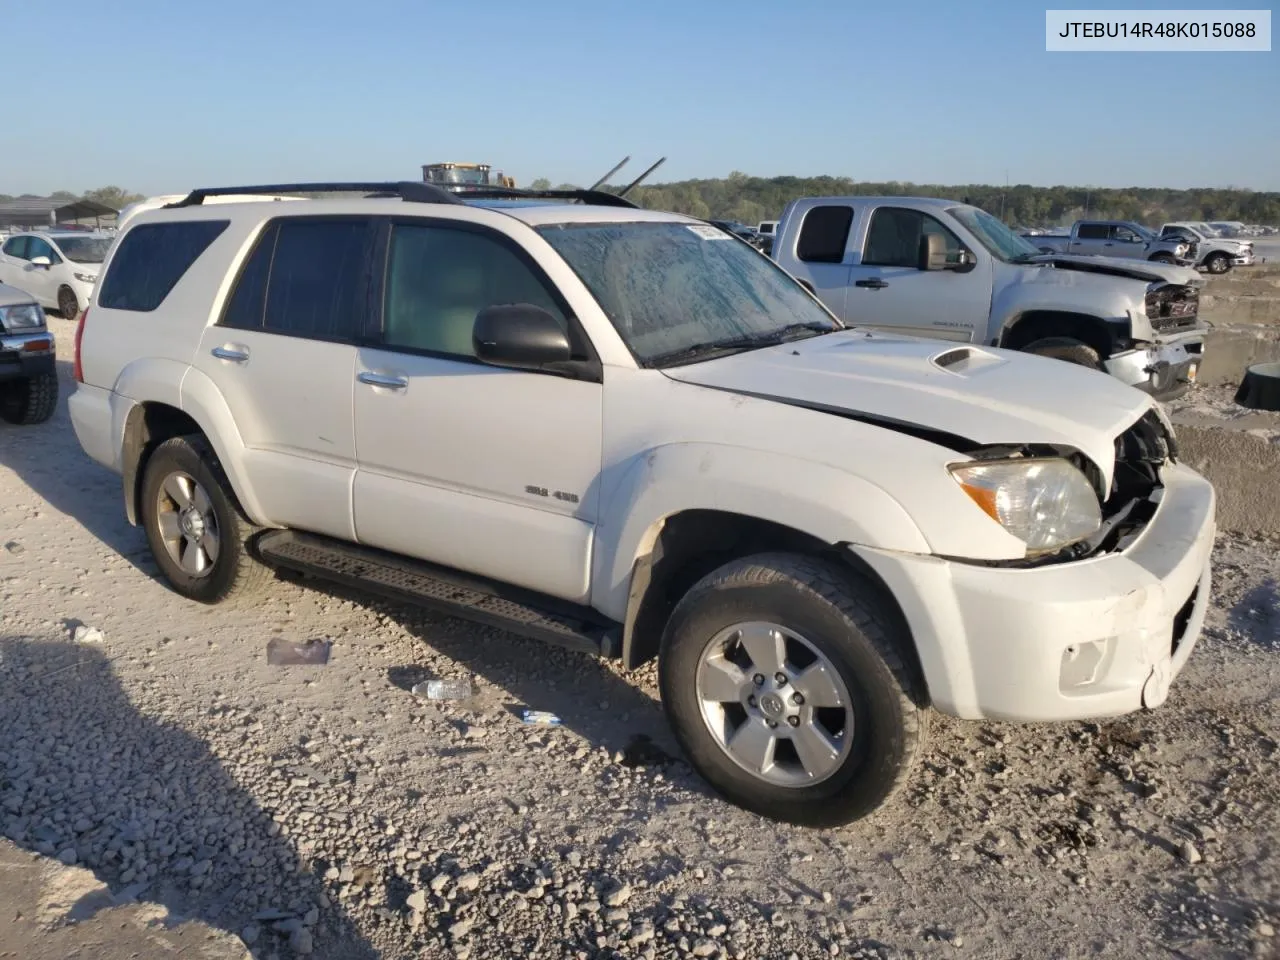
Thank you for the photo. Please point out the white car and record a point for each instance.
(59, 269)
(624, 431)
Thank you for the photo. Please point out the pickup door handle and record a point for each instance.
(382, 380)
(231, 353)
(875, 283)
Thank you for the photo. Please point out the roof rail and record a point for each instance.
(412, 191)
(481, 191)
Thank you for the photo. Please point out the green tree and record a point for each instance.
(542, 183)
(63, 196)
(115, 197)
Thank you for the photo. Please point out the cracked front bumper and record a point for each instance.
(1165, 369)
(1097, 637)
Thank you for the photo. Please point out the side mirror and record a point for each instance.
(933, 252)
(41, 261)
(521, 336)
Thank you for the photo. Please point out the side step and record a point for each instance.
(447, 591)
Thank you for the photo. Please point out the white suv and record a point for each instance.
(624, 431)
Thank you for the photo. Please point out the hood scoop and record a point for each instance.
(964, 360)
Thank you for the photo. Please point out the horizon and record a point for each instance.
(929, 94)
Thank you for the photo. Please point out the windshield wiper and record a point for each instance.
(718, 348)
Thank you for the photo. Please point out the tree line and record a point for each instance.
(752, 199)
(115, 197)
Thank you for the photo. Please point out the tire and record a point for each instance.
(68, 305)
(838, 617)
(1065, 348)
(29, 401)
(1162, 258)
(188, 467)
(1218, 263)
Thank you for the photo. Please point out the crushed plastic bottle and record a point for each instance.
(443, 689)
(282, 652)
(540, 717)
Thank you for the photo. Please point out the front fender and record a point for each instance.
(814, 498)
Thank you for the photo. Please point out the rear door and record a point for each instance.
(822, 254)
(1091, 238)
(889, 290)
(283, 356)
(13, 258)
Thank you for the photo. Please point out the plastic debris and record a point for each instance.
(541, 717)
(14, 547)
(284, 653)
(84, 634)
(443, 689)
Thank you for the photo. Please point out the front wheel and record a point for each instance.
(1218, 263)
(195, 528)
(29, 401)
(788, 687)
(1065, 348)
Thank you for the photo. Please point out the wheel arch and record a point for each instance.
(1038, 324)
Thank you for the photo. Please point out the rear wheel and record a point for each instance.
(1218, 263)
(68, 305)
(29, 401)
(786, 685)
(195, 528)
(1065, 348)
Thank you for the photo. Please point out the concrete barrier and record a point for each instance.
(1243, 466)
(1228, 350)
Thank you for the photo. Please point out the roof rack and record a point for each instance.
(481, 191)
(412, 191)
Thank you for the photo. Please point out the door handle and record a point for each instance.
(875, 283)
(382, 380)
(230, 353)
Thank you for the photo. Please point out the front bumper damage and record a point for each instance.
(1165, 368)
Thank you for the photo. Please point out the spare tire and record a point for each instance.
(1260, 388)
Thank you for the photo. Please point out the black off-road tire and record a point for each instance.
(845, 617)
(235, 572)
(1217, 263)
(1065, 348)
(68, 305)
(29, 401)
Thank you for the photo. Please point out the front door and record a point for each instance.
(483, 469)
(889, 290)
(283, 357)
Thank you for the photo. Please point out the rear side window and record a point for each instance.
(824, 234)
(317, 278)
(1092, 231)
(151, 260)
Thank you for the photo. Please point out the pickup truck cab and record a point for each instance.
(951, 271)
(627, 432)
(1116, 238)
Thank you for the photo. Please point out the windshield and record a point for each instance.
(672, 289)
(1001, 242)
(84, 249)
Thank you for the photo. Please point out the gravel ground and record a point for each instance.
(327, 810)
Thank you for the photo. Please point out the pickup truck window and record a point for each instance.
(1092, 231)
(824, 234)
(679, 292)
(893, 239)
(1126, 235)
(439, 278)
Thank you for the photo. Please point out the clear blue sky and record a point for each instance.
(161, 96)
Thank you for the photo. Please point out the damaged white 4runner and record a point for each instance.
(627, 432)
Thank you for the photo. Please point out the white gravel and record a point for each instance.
(327, 811)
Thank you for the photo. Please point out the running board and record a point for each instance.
(447, 591)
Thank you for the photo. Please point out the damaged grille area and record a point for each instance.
(1140, 453)
(1173, 306)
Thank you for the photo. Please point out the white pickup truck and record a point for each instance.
(627, 432)
(951, 271)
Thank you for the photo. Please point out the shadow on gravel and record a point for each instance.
(1257, 615)
(48, 459)
(87, 778)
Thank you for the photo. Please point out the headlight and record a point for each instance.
(1046, 503)
(86, 277)
(26, 316)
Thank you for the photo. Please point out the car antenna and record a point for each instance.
(620, 164)
(636, 182)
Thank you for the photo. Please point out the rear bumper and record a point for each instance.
(1095, 638)
(26, 355)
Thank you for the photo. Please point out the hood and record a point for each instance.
(13, 297)
(953, 394)
(1149, 270)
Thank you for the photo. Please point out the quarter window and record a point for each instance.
(824, 234)
(439, 278)
(152, 258)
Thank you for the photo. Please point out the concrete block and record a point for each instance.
(1228, 350)
(1243, 466)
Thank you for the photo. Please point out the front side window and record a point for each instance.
(316, 283)
(39, 247)
(84, 249)
(679, 292)
(893, 238)
(438, 280)
(151, 260)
